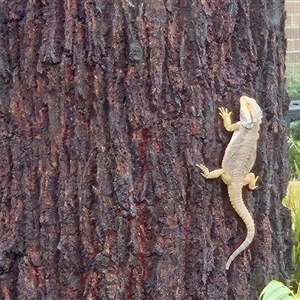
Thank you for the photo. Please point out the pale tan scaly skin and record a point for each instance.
(238, 161)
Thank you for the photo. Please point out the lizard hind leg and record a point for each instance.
(210, 175)
(250, 180)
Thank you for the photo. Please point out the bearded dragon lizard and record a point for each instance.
(238, 160)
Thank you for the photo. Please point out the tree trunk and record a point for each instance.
(106, 107)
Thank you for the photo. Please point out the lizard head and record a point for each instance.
(250, 112)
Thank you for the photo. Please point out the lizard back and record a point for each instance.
(240, 153)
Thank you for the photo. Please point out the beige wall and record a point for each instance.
(292, 28)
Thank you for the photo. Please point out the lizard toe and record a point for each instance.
(204, 169)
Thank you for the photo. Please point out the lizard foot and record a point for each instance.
(251, 180)
(209, 175)
(224, 113)
(204, 169)
(254, 186)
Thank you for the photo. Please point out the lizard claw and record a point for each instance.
(255, 186)
(204, 169)
(223, 112)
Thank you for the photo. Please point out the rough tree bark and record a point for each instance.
(106, 106)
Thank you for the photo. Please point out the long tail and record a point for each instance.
(236, 199)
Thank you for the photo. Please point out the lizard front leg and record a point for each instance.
(225, 114)
(210, 175)
(250, 180)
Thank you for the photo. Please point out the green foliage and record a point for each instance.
(276, 290)
(296, 247)
(294, 157)
(295, 130)
(293, 80)
(292, 202)
(293, 88)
